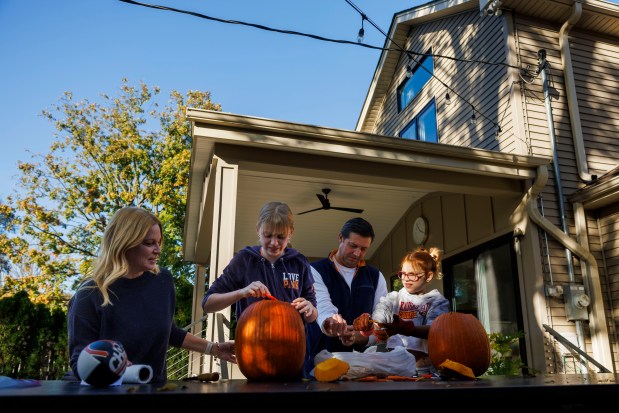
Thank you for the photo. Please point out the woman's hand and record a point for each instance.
(224, 351)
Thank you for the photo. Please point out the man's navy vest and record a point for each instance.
(350, 302)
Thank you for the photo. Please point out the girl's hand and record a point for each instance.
(335, 325)
(399, 326)
(305, 308)
(363, 323)
(255, 289)
(381, 335)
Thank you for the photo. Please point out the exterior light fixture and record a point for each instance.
(491, 7)
(361, 30)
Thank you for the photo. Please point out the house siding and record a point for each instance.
(518, 105)
(596, 74)
(464, 37)
(590, 71)
(596, 71)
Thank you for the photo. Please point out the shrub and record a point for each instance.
(33, 339)
(502, 361)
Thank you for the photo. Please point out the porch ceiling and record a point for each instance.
(292, 162)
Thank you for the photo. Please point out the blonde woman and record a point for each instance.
(128, 298)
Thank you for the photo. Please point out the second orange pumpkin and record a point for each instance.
(461, 338)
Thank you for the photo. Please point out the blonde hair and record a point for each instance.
(426, 260)
(127, 229)
(278, 216)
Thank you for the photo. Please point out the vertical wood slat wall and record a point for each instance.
(471, 220)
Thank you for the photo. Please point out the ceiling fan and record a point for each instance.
(326, 204)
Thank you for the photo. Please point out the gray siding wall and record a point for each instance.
(595, 71)
(471, 60)
(518, 106)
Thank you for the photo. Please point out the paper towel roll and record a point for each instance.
(138, 373)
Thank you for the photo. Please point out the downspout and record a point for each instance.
(599, 331)
(570, 91)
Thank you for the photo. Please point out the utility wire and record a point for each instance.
(257, 26)
(398, 48)
(313, 36)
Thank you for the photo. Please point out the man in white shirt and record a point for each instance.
(346, 287)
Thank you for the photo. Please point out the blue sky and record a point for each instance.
(88, 46)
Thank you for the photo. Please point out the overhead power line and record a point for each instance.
(257, 26)
(364, 17)
(312, 36)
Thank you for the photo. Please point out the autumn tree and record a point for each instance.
(108, 154)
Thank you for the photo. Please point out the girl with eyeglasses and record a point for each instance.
(403, 318)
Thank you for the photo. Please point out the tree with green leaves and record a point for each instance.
(105, 155)
(33, 339)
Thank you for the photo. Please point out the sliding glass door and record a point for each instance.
(483, 281)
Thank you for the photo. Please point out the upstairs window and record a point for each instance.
(411, 87)
(423, 126)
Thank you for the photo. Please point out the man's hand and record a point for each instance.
(335, 326)
(349, 337)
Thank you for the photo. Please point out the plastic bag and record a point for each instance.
(397, 362)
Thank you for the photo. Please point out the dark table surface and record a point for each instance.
(559, 392)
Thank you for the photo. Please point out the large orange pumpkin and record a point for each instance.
(269, 341)
(461, 338)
